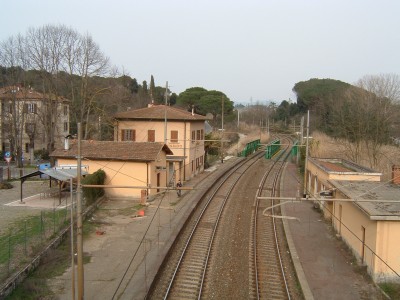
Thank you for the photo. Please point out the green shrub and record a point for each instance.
(91, 194)
(5, 186)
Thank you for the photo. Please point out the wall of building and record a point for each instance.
(381, 239)
(193, 150)
(388, 248)
(125, 173)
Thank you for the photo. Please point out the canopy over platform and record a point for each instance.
(57, 173)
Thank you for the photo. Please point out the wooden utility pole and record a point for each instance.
(79, 238)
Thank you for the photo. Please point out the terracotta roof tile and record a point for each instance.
(110, 150)
(157, 112)
(24, 94)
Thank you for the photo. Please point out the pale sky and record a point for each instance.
(247, 49)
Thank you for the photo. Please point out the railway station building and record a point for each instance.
(364, 212)
(180, 130)
(133, 164)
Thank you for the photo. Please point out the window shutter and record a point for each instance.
(174, 136)
(151, 135)
(122, 134)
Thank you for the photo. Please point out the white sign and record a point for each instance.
(8, 159)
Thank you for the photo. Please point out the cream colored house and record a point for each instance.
(364, 211)
(133, 164)
(180, 130)
(30, 112)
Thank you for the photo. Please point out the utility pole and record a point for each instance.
(306, 157)
(222, 130)
(72, 241)
(79, 238)
(165, 113)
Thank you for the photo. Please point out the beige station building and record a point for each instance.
(364, 211)
(153, 147)
(180, 130)
(139, 167)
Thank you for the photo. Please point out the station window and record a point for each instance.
(128, 135)
(174, 136)
(151, 135)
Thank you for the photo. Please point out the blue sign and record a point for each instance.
(7, 154)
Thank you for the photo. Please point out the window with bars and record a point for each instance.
(174, 136)
(128, 135)
(30, 108)
(151, 135)
(65, 110)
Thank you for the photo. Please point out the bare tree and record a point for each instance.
(84, 59)
(12, 55)
(384, 85)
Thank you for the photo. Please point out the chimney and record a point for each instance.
(396, 174)
(66, 141)
(192, 110)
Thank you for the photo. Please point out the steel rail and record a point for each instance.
(209, 200)
(255, 226)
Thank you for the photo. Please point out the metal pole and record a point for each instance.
(222, 130)
(79, 221)
(306, 158)
(72, 242)
(165, 113)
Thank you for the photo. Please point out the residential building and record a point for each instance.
(180, 130)
(37, 120)
(364, 212)
(137, 166)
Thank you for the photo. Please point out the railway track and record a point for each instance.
(267, 271)
(226, 249)
(183, 276)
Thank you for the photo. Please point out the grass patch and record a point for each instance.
(391, 289)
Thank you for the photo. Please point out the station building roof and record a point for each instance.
(377, 192)
(111, 150)
(341, 166)
(157, 112)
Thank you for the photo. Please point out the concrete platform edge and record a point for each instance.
(293, 253)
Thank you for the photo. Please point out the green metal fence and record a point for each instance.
(272, 149)
(27, 237)
(250, 148)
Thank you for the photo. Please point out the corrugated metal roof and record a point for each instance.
(57, 173)
(157, 112)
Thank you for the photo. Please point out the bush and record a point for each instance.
(42, 154)
(92, 194)
(5, 186)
